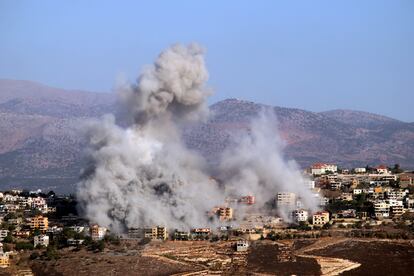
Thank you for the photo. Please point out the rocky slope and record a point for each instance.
(40, 144)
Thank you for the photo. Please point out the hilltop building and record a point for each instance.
(323, 168)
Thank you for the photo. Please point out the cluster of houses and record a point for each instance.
(367, 195)
(25, 218)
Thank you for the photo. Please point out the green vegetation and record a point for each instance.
(24, 246)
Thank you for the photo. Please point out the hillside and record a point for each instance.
(40, 144)
(313, 137)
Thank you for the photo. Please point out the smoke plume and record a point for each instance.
(142, 174)
(256, 165)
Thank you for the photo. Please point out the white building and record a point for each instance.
(310, 184)
(300, 215)
(286, 199)
(357, 191)
(323, 168)
(242, 245)
(382, 209)
(397, 195)
(42, 240)
(360, 170)
(3, 234)
(382, 169)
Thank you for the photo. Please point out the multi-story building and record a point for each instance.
(242, 245)
(39, 203)
(3, 234)
(360, 170)
(181, 235)
(406, 179)
(225, 213)
(397, 194)
(42, 240)
(381, 209)
(310, 184)
(201, 232)
(335, 185)
(97, 232)
(286, 199)
(249, 200)
(320, 218)
(300, 215)
(156, 233)
(382, 169)
(323, 168)
(4, 259)
(39, 222)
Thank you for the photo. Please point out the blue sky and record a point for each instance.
(314, 55)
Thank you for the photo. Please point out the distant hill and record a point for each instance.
(359, 118)
(349, 138)
(40, 147)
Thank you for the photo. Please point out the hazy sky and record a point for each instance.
(315, 55)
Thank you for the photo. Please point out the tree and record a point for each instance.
(8, 238)
(51, 253)
(24, 246)
(396, 169)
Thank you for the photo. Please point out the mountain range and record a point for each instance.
(40, 144)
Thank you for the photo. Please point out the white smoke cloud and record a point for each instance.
(256, 165)
(143, 175)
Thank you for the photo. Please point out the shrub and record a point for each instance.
(24, 246)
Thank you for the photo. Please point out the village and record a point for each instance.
(367, 202)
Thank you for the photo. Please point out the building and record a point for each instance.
(349, 213)
(42, 240)
(310, 184)
(4, 259)
(286, 199)
(397, 194)
(181, 235)
(97, 232)
(335, 185)
(153, 233)
(3, 234)
(406, 179)
(381, 209)
(225, 213)
(39, 203)
(357, 191)
(382, 169)
(396, 210)
(201, 232)
(156, 233)
(360, 170)
(249, 200)
(346, 197)
(323, 168)
(242, 246)
(39, 222)
(320, 218)
(300, 215)
(74, 241)
(135, 233)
